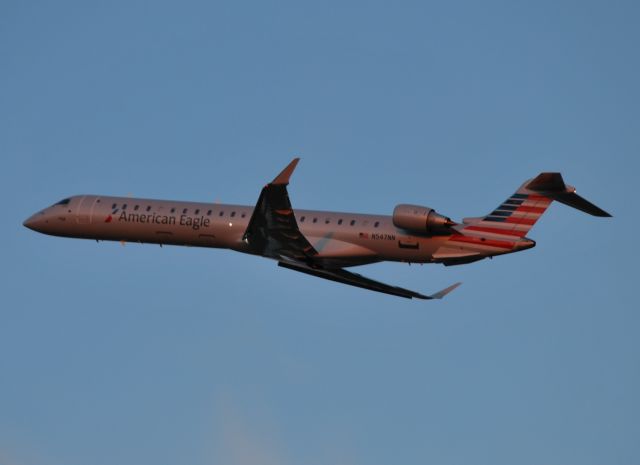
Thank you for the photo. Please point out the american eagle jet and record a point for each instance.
(318, 243)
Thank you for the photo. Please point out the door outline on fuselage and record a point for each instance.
(84, 212)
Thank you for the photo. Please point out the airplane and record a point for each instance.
(318, 243)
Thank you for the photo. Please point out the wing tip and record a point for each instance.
(445, 291)
(285, 174)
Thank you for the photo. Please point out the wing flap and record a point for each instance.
(273, 232)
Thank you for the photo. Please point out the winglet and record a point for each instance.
(443, 292)
(285, 174)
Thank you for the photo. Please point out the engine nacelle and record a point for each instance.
(421, 220)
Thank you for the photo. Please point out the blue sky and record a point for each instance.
(142, 355)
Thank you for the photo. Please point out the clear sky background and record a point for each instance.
(142, 355)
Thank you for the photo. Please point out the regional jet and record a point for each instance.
(318, 243)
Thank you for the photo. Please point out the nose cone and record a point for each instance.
(35, 222)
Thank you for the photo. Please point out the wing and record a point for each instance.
(353, 279)
(273, 230)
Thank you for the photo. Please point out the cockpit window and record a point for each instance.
(64, 202)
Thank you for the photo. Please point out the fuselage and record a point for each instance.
(341, 239)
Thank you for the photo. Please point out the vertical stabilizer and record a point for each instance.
(514, 217)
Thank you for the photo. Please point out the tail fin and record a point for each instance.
(517, 215)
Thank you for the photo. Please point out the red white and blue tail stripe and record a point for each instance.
(513, 218)
(501, 231)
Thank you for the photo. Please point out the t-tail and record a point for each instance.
(517, 215)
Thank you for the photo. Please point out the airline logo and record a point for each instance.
(194, 223)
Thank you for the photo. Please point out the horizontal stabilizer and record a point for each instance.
(574, 200)
(552, 185)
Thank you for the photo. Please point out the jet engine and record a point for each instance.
(421, 220)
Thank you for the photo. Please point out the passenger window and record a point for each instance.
(315, 220)
(209, 213)
(113, 207)
(173, 210)
(340, 221)
(376, 224)
(197, 212)
(302, 219)
(124, 207)
(243, 215)
(233, 214)
(221, 213)
(327, 221)
(184, 211)
(148, 207)
(352, 222)
(136, 208)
